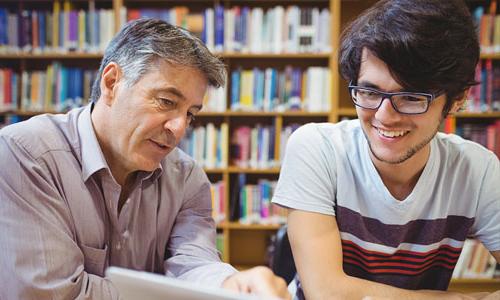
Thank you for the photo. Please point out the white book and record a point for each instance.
(324, 31)
(314, 89)
(209, 28)
(210, 146)
(278, 21)
(229, 43)
(315, 46)
(254, 146)
(224, 144)
(327, 90)
(292, 24)
(254, 29)
(264, 155)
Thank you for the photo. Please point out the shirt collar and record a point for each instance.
(92, 157)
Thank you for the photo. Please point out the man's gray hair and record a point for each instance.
(141, 43)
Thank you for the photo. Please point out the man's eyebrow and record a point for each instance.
(371, 85)
(176, 93)
(171, 90)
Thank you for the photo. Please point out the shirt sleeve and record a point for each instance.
(193, 255)
(307, 179)
(39, 256)
(487, 222)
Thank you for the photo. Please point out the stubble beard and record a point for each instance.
(410, 153)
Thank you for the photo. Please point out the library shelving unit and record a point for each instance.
(243, 245)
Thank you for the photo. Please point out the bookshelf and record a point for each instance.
(244, 245)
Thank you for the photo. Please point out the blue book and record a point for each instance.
(41, 29)
(63, 92)
(3, 26)
(245, 12)
(219, 27)
(272, 133)
(235, 89)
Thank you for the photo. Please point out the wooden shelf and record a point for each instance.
(51, 55)
(234, 169)
(262, 114)
(275, 55)
(240, 226)
(347, 112)
(479, 115)
(490, 56)
(474, 285)
(83, 55)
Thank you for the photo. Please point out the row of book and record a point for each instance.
(487, 134)
(61, 30)
(486, 95)
(208, 145)
(254, 147)
(9, 82)
(488, 24)
(58, 88)
(250, 146)
(251, 203)
(244, 29)
(273, 90)
(475, 261)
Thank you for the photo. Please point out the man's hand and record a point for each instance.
(258, 280)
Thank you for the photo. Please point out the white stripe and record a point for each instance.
(403, 246)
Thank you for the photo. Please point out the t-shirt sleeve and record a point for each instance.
(486, 227)
(307, 179)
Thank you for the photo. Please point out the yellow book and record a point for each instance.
(55, 24)
(81, 31)
(246, 96)
(65, 26)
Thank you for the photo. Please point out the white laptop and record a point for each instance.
(134, 285)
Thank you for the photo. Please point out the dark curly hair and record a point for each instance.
(428, 45)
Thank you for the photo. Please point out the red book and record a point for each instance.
(133, 14)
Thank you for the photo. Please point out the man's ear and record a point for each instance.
(111, 74)
(458, 104)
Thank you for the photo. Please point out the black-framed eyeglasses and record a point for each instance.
(403, 102)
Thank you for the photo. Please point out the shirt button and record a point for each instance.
(126, 234)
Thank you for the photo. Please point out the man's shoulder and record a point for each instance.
(456, 148)
(328, 130)
(43, 133)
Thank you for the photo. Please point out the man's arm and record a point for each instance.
(317, 251)
(39, 256)
(193, 253)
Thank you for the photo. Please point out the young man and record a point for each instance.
(381, 206)
(105, 184)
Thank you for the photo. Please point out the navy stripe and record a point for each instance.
(422, 232)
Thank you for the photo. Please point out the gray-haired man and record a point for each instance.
(105, 184)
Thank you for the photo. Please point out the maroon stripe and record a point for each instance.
(374, 265)
(423, 232)
(434, 278)
(447, 250)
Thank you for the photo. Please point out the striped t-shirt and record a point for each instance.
(414, 243)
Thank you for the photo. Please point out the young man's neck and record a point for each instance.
(400, 179)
